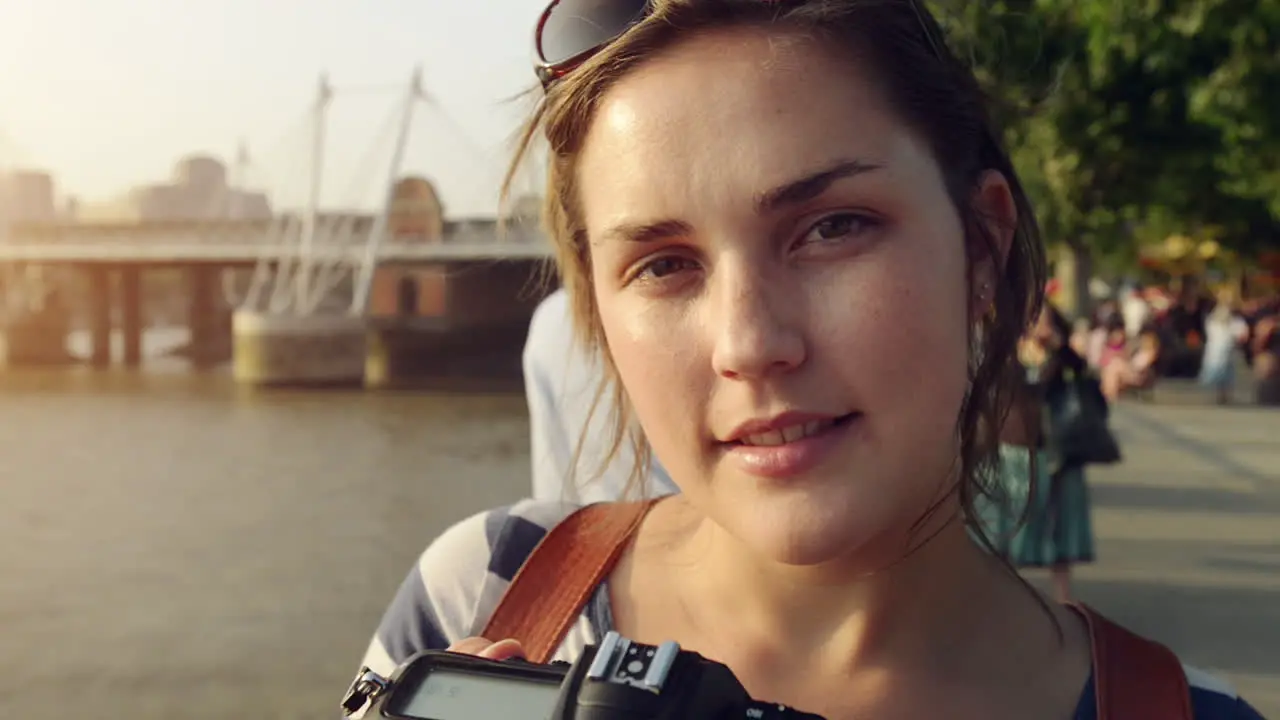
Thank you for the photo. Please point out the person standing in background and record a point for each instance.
(1225, 331)
(561, 383)
(1266, 356)
(1135, 310)
(1042, 515)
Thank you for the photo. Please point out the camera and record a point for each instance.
(618, 680)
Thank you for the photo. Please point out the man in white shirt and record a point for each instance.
(561, 380)
(1135, 310)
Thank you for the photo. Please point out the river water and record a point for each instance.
(175, 546)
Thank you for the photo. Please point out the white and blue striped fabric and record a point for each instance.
(458, 581)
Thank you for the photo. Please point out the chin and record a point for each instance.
(808, 529)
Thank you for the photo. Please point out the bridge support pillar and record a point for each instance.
(131, 320)
(299, 350)
(207, 345)
(35, 334)
(100, 307)
(223, 318)
(386, 356)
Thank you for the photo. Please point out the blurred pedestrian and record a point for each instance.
(1266, 358)
(1040, 516)
(1225, 331)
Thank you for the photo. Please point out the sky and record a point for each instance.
(109, 94)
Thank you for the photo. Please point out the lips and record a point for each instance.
(788, 447)
(789, 433)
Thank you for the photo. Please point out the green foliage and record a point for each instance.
(1129, 120)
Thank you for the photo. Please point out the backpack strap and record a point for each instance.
(550, 589)
(1134, 678)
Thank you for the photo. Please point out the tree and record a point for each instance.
(1131, 119)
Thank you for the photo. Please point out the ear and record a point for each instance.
(997, 213)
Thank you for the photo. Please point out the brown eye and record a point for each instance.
(835, 228)
(662, 267)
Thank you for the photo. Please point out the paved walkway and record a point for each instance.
(1189, 536)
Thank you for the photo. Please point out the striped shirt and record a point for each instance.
(457, 583)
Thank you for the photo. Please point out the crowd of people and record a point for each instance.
(1144, 335)
(1041, 510)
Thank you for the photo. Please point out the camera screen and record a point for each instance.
(448, 695)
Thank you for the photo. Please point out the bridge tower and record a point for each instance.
(289, 329)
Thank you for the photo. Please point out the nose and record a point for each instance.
(758, 321)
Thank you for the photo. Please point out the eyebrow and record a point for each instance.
(648, 232)
(797, 191)
(811, 186)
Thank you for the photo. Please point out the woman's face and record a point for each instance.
(781, 279)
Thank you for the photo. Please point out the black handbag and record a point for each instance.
(1078, 425)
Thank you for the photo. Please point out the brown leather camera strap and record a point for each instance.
(1134, 678)
(548, 593)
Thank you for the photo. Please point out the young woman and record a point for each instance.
(792, 234)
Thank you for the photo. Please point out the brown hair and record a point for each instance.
(926, 85)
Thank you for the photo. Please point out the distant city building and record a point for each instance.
(404, 292)
(198, 190)
(416, 211)
(27, 196)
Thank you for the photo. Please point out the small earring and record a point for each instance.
(984, 300)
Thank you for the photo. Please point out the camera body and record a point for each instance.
(618, 680)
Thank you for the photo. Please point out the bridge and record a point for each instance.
(283, 291)
(472, 274)
(236, 244)
(244, 254)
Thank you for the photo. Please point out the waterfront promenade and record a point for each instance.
(1189, 536)
(173, 546)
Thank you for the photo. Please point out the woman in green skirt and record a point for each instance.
(1040, 516)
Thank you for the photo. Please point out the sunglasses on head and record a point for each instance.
(569, 32)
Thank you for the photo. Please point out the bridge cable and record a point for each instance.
(342, 230)
(245, 165)
(261, 277)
